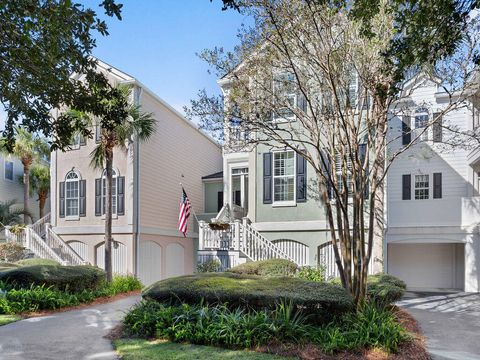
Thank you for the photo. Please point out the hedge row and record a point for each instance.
(272, 267)
(320, 299)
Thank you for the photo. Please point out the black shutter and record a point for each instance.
(121, 195)
(406, 187)
(406, 130)
(327, 170)
(83, 198)
(301, 102)
(219, 200)
(362, 153)
(301, 178)
(61, 202)
(267, 178)
(98, 197)
(437, 127)
(437, 185)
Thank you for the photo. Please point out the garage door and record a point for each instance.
(425, 266)
(119, 258)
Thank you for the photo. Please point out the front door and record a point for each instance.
(239, 188)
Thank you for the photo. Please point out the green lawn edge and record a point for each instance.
(133, 349)
(7, 319)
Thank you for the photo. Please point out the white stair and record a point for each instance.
(40, 239)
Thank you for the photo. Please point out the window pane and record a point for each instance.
(422, 185)
(8, 170)
(284, 189)
(284, 176)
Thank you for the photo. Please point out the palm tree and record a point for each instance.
(138, 126)
(29, 148)
(40, 184)
(10, 215)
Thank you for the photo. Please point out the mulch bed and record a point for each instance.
(413, 350)
(97, 301)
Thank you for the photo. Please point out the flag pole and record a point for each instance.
(193, 211)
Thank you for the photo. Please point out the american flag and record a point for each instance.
(184, 213)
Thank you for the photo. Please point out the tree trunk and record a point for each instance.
(378, 229)
(108, 214)
(42, 199)
(26, 190)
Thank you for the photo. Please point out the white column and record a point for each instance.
(236, 240)
(472, 264)
(201, 235)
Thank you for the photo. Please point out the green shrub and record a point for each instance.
(119, 284)
(311, 273)
(7, 266)
(321, 299)
(66, 278)
(242, 328)
(384, 290)
(36, 261)
(272, 267)
(212, 265)
(11, 252)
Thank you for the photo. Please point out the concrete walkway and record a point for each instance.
(450, 322)
(76, 334)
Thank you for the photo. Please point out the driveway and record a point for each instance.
(450, 322)
(76, 334)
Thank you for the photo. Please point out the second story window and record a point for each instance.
(114, 191)
(8, 170)
(284, 177)
(422, 185)
(72, 194)
(421, 121)
(285, 96)
(77, 141)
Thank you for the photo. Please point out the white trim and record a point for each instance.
(315, 225)
(67, 181)
(165, 232)
(92, 229)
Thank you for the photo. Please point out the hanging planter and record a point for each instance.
(222, 226)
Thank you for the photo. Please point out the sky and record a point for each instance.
(157, 40)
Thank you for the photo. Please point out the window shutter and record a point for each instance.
(406, 187)
(437, 127)
(267, 178)
(98, 197)
(61, 200)
(121, 195)
(406, 130)
(82, 198)
(327, 170)
(97, 133)
(83, 140)
(301, 102)
(362, 153)
(437, 185)
(301, 178)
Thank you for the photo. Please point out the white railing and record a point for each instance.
(40, 226)
(61, 248)
(256, 247)
(40, 248)
(16, 237)
(240, 237)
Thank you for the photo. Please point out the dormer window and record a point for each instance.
(285, 96)
(421, 121)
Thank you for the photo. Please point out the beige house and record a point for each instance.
(146, 191)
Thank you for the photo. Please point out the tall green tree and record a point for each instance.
(29, 148)
(10, 214)
(42, 43)
(40, 185)
(136, 126)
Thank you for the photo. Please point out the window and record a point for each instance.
(8, 170)
(285, 95)
(421, 187)
(114, 191)
(72, 194)
(421, 121)
(339, 173)
(284, 177)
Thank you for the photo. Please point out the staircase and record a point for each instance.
(44, 243)
(238, 243)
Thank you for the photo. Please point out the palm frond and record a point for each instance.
(97, 156)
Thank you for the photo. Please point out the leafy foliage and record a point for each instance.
(222, 325)
(64, 278)
(10, 214)
(36, 261)
(311, 273)
(11, 252)
(212, 265)
(272, 267)
(322, 300)
(384, 290)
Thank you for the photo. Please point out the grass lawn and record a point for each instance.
(156, 350)
(7, 319)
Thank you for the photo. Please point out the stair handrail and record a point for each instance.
(265, 248)
(39, 247)
(53, 240)
(17, 237)
(40, 225)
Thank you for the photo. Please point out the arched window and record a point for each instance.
(114, 190)
(421, 121)
(72, 181)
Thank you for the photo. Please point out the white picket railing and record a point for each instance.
(40, 226)
(16, 237)
(40, 248)
(241, 237)
(61, 248)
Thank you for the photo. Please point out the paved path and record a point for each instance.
(450, 322)
(76, 334)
